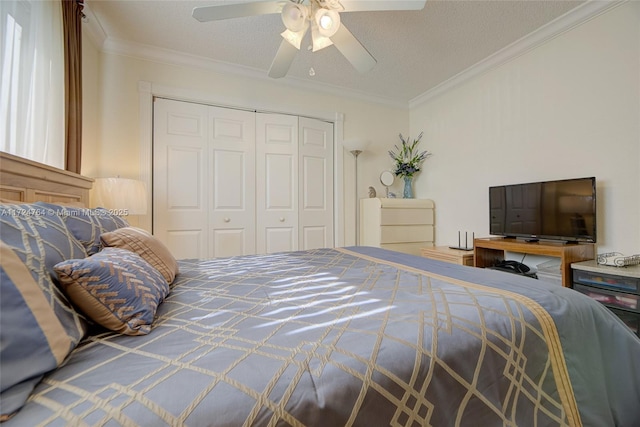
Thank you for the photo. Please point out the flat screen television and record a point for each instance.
(563, 210)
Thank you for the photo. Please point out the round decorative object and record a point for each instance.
(387, 178)
(408, 187)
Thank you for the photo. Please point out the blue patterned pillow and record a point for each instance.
(116, 288)
(86, 225)
(38, 325)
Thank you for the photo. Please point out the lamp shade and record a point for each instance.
(124, 195)
(294, 16)
(328, 22)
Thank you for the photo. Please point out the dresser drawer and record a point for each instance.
(403, 225)
(406, 233)
(618, 283)
(611, 298)
(406, 216)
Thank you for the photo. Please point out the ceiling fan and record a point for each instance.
(322, 16)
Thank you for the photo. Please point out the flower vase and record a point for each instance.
(408, 187)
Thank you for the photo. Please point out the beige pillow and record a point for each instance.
(116, 288)
(147, 246)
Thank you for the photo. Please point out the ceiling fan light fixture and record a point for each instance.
(327, 21)
(293, 37)
(319, 41)
(295, 16)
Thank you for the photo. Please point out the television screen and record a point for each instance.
(553, 210)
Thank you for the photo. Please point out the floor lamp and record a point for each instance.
(356, 147)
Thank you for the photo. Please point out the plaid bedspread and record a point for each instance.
(360, 336)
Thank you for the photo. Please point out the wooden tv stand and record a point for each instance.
(488, 251)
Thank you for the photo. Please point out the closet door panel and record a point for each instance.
(184, 171)
(231, 193)
(186, 244)
(231, 182)
(277, 183)
(180, 177)
(316, 184)
(279, 239)
(229, 241)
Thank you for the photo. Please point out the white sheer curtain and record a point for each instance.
(32, 91)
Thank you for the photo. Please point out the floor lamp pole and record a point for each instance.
(356, 153)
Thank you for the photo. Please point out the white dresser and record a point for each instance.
(403, 225)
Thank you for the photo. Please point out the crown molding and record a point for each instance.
(562, 24)
(171, 57)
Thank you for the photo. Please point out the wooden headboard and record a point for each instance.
(26, 181)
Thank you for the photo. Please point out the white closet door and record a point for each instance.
(277, 183)
(316, 184)
(231, 182)
(180, 181)
(204, 179)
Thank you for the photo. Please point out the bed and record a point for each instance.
(327, 337)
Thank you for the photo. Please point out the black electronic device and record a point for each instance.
(562, 210)
(516, 266)
(466, 242)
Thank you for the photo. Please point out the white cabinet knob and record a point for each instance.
(227, 220)
(281, 219)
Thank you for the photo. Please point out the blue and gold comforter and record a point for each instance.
(358, 336)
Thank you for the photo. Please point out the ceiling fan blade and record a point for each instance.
(353, 50)
(283, 59)
(375, 5)
(236, 10)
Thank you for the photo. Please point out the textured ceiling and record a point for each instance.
(415, 50)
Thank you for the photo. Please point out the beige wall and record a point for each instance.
(113, 139)
(569, 108)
